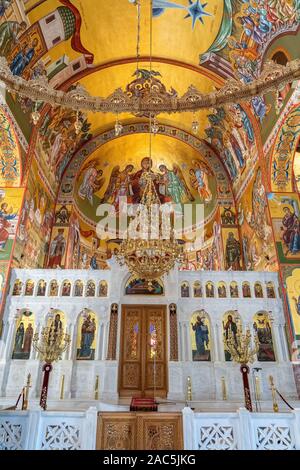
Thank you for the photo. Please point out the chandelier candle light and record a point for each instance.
(50, 346)
(242, 352)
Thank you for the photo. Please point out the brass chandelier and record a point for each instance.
(154, 250)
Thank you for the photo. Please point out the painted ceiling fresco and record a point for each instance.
(198, 42)
(193, 42)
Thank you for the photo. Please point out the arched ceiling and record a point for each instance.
(191, 42)
(109, 31)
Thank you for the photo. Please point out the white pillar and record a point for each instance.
(216, 354)
(277, 342)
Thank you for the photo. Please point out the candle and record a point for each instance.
(62, 386)
(224, 391)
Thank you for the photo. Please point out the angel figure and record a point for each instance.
(199, 180)
(108, 195)
(91, 183)
(172, 185)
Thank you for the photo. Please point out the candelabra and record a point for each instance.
(50, 346)
(242, 352)
(26, 393)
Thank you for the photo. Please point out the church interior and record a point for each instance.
(187, 326)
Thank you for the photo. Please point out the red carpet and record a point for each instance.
(143, 404)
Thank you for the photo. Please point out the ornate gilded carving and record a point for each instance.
(113, 331)
(173, 333)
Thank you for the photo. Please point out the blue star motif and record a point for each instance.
(196, 11)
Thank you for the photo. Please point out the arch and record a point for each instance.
(200, 336)
(29, 287)
(185, 289)
(66, 288)
(90, 290)
(270, 290)
(263, 329)
(103, 289)
(23, 335)
(246, 289)
(222, 290)
(231, 326)
(258, 290)
(197, 289)
(209, 289)
(234, 290)
(41, 288)
(53, 288)
(17, 287)
(78, 288)
(86, 336)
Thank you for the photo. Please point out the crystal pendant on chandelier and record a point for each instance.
(118, 128)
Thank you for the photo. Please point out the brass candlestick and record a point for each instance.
(273, 389)
(62, 387)
(50, 346)
(26, 393)
(239, 346)
(97, 388)
(224, 390)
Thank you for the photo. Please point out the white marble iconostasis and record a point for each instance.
(80, 375)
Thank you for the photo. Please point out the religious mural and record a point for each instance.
(24, 335)
(86, 341)
(232, 134)
(56, 323)
(258, 248)
(262, 327)
(292, 281)
(58, 140)
(200, 336)
(36, 218)
(231, 327)
(285, 213)
(10, 166)
(10, 204)
(141, 287)
(282, 154)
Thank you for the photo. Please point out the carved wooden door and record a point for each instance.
(143, 354)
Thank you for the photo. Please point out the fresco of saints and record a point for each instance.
(57, 250)
(199, 180)
(5, 216)
(258, 217)
(122, 187)
(88, 330)
(9, 33)
(233, 253)
(291, 231)
(91, 183)
(23, 58)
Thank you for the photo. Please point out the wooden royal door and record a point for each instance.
(143, 353)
